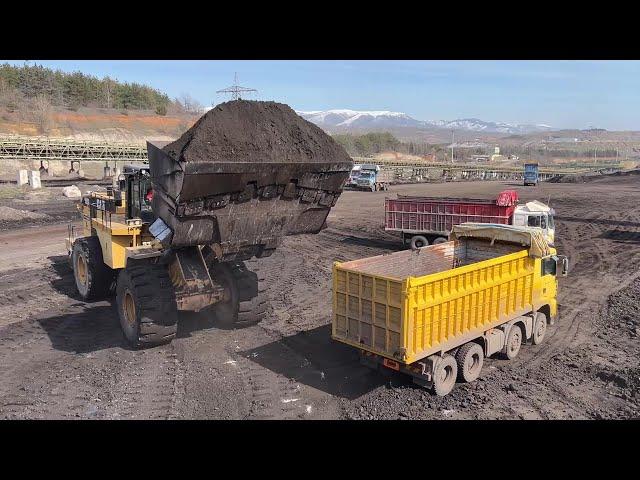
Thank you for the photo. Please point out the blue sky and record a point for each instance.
(564, 94)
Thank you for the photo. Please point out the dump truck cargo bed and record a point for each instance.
(411, 304)
(413, 214)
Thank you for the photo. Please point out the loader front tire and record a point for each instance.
(146, 305)
(93, 278)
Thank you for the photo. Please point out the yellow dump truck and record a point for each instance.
(436, 312)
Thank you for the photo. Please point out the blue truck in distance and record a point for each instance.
(373, 177)
(531, 174)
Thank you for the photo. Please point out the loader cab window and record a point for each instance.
(141, 197)
(549, 266)
(551, 223)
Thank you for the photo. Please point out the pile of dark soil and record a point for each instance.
(567, 179)
(252, 131)
(591, 177)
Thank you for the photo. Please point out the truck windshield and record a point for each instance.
(366, 174)
(534, 221)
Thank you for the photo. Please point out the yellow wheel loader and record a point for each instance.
(174, 234)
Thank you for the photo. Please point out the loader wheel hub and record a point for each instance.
(129, 308)
(82, 270)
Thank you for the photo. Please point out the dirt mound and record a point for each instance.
(252, 131)
(591, 177)
(8, 214)
(567, 179)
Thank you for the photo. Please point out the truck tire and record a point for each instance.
(146, 304)
(244, 307)
(539, 328)
(93, 278)
(513, 342)
(418, 241)
(439, 240)
(444, 375)
(470, 358)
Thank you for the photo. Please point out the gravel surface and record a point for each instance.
(64, 358)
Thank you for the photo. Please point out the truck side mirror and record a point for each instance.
(565, 266)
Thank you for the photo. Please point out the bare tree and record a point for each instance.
(108, 86)
(42, 113)
(190, 104)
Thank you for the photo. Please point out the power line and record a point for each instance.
(236, 90)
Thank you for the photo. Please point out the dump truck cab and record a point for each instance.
(536, 214)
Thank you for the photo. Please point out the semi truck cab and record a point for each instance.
(536, 214)
(353, 177)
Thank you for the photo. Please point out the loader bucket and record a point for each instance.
(242, 200)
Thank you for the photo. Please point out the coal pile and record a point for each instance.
(254, 131)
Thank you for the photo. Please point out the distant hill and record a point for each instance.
(345, 121)
(38, 101)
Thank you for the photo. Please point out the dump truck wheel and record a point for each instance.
(93, 278)
(470, 358)
(418, 241)
(439, 240)
(146, 305)
(444, 376)
(239, 310)
(539, 328)
(514, 342)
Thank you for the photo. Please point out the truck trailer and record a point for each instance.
(428, 220)
(435, 313)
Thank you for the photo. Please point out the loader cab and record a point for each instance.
(136, 183)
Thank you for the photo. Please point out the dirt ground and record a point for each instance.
(64, 358)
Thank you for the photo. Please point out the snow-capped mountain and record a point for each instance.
(359, 119)
(475, 125)
(353, 119)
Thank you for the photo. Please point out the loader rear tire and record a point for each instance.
(247, 303)
(94, 279)
(146, 304)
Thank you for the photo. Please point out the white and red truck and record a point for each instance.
(428, 220)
